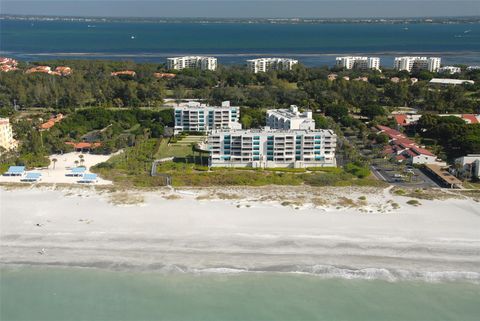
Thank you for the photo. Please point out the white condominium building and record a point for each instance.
(290, 119)
(361, 63)
(409, 64)
(267, 147)
(6, 135)
(197, 117)
(269, 64)
(450, 70)
(194, 62)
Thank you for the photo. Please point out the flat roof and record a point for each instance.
(448, 81)
(288, 113)
(16, 169)
(443, 175)
(33, 175)
(89, 177)
(271, 131)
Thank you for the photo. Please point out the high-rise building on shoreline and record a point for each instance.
(262, 148)
(193, 62)
(290, 119)
(197, 117)
(269, 64)
(410, 63)
(360, 63)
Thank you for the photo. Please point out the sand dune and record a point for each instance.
(82, 227)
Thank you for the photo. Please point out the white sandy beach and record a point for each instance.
(55, 173)
(176, 230)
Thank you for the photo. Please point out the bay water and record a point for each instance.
(233, 43)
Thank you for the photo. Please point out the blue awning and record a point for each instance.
(78, 170)
(31, 177)
(16, 169)
(89, 177)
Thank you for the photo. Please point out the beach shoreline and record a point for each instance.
(332, 232)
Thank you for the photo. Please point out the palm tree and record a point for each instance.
(82, 158)
(76, 163)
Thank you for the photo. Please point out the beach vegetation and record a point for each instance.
(133, 167)
(413, 202)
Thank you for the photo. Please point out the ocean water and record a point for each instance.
(41, 293)
(312, 44)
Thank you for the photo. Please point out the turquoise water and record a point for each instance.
(313, 44)
(87, 294)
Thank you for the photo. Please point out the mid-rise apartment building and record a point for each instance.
(468, 166)
(409, 63)
(6, 135)
(269, 64)
(290, 119)
(450, 70)
(360, 63)
(193, 62)
(262, 148)
(198, 117)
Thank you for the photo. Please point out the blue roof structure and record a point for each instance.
(78, 170)
(16, 169)
(32, 177)
(89, 177)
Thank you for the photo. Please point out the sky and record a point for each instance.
(244, 8)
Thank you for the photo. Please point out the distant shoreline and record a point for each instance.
(293, 20)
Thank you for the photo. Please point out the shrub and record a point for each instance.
(357, 170)
(413, 202)
(286, 170)
(335, 170)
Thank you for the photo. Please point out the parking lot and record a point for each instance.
(401, 175)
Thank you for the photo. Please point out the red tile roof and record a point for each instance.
(470, 118)
(47, 125)
(7, 68)
(401, 119)
(400, 143)
(8, 61)
(51, 122)
(63, 70)
(164, 75)
(124, 73)
(83, 145)
(421, 151)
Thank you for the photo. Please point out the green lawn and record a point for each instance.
(175, 150)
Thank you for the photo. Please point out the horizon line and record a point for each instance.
(242, 18)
